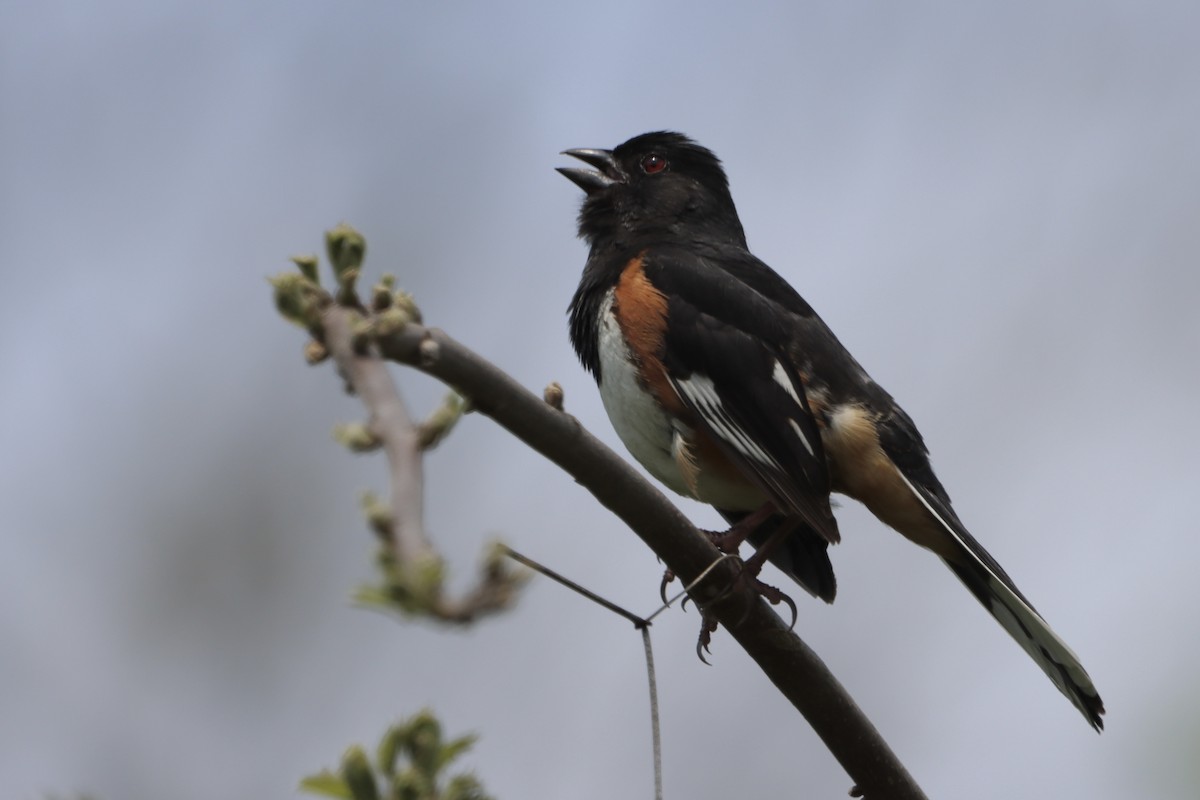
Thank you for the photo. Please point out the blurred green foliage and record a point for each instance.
(411, 762)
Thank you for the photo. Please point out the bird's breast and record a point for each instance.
(661, 442)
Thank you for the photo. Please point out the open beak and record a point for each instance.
(591, 181)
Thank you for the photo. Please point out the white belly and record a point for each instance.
(647, 432)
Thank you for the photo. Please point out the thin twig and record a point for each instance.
(642, 624)
(637, 621)
(655, 733)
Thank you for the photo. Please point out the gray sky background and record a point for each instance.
(996, 207)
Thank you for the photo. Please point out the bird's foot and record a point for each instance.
(728, 541)
(747, 579)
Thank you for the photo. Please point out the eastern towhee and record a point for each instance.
(727, 387)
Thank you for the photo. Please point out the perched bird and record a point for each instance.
(727, 387)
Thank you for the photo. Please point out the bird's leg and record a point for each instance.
(728, 541)
(754, 564)
(748, 577)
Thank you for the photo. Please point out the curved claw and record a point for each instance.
(707, 626)
(791, 604)
(684, 602)
(769, 593)
(668, 576)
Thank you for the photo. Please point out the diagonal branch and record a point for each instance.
(789, 663)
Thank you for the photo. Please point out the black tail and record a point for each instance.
(1025, 624)
(992, 587)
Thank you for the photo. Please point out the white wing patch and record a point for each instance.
(803, 439)
(781, 377)
(701, 393)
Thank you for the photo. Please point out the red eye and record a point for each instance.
(653, 163)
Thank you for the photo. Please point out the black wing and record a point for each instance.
(724, 355)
